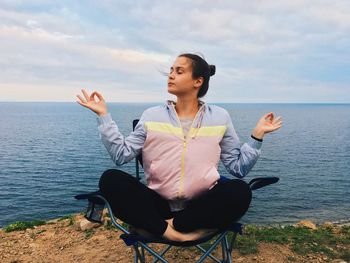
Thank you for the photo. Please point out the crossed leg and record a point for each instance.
(144, 209)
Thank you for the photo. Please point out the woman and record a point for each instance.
(181, 143)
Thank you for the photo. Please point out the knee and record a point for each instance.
(245, 190)
(238, 189)
(111, 177)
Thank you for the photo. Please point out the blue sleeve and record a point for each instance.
(237, 159)
(121, 149)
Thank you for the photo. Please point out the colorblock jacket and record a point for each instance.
(176, 166)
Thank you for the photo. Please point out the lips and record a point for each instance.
(171, 83)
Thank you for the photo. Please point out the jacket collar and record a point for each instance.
(170, 104)
(173, 103)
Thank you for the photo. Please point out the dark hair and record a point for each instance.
(200, 68)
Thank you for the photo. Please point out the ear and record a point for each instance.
(198, 82)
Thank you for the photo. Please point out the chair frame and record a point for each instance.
(139, 243)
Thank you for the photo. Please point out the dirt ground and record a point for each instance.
(62, 241)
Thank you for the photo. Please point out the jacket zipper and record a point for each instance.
(182, 170)
(184, 138)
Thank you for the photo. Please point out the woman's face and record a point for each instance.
(180, 81)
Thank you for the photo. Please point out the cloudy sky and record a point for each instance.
(265, 51)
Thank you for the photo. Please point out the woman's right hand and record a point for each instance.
(99, 107)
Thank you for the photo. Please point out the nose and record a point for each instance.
(171, 75)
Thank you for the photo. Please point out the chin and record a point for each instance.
(171, 91)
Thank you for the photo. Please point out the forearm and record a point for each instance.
(239, 160)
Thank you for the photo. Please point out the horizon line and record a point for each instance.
(150, 102)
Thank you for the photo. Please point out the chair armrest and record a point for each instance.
(260, 182)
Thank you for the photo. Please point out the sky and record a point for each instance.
(269, 51)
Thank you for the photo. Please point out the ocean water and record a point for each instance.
(50, 152)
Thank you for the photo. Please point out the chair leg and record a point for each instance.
(153, 252)
(224, 250)
(233, 239)
(162, 253)
(137, 254)
(228, 251)
(208, 252)
(143, 253)
(136, 258)
(229, 246)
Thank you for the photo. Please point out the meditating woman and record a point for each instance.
(182, 143)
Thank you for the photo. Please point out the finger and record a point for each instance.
(278, 124)
(278, 119)
(82, 104)
(276, 127)
(81, 99)
(92, 96)
(268, 116)
(99, 95)
(85, 95)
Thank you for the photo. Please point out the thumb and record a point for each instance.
(269, 115)
(99, 95)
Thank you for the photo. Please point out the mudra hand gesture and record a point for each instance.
(99, 107)
(266, 124)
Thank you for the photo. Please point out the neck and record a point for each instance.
(187, 107)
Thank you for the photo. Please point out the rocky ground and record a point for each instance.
(72, 239)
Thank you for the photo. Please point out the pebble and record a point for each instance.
(327, 224)
(85, 224)
(307, 224)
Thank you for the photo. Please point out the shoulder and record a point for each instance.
(154, 112)
(155, 109)
(215, 115)
(217, 111)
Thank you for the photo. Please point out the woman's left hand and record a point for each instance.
(267, 123)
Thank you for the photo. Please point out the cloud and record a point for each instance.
(259, 47)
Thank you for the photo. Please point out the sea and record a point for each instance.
(51, 151)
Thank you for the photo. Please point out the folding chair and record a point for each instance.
(96, 204)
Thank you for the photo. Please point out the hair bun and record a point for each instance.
(212, 70)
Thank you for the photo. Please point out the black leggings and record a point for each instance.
(142, 207)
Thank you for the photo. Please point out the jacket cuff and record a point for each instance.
(105, 119)
(254, 143)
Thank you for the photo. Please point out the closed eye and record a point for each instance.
(179, 70)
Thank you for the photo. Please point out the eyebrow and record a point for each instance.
(177, 68)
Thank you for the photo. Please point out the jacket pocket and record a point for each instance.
(212, 177)
(154, 172)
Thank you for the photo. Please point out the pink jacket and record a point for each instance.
(175, 166)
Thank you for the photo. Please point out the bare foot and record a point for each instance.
(170, 222)
(172, 234)
(199, 233)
